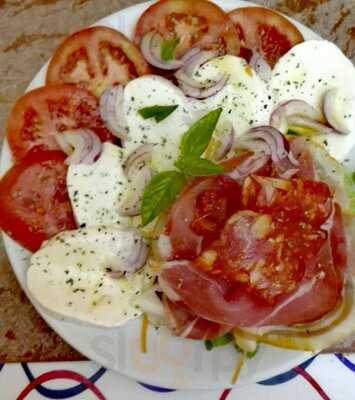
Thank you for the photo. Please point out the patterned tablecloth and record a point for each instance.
(330, 376)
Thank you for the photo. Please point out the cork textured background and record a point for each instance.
(29, 32)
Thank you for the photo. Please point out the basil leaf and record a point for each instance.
(221, 341)
(157, 112)
(199, 167)
(168, 47)
(196, 139)
(160, 193)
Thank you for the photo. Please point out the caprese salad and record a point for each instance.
(196, 175)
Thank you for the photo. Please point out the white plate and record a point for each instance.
(171, 362)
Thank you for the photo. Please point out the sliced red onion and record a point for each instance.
(138, 171)
(196, 61)
(82, 146)
(311, 123)
(279, 118)
(272, 137)
(151, 47)
(249, 166)
(190, 86)
(331, 111)
(191, 53)
(203, 92)
(137, 160)
(260, 66)
(226, 144)
(130, 251)
(268, 141)
(112, 112)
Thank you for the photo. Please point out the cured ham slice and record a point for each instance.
(300, 281)
(183, 322)
(199, 214)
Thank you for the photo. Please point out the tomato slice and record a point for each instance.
(46, 111)
(34, 204)
(96, 58)
(197, 23)
(265, 31)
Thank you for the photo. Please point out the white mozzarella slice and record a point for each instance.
(165, 136)
(306, 72)
(244, 99)
(69, 276)
(96, 190)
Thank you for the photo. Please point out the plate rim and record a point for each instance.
(58, 327)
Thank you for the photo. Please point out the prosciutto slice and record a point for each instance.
(310, 291)
(183, 322)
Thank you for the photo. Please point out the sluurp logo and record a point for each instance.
(179, 360)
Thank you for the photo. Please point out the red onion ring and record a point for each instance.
(279, 118)
(272, 137)
(130, 253)
(329, 110)
(249, 166)
(260, 66)
(111, 110)
(203, 93)
(82, 146)
(137, 170)
(190, 86)
(150, 47)
(226, 145)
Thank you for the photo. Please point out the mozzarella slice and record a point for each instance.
(165, 136)
(244, 99)
(69, 276)
(306, 72)
(96, 190)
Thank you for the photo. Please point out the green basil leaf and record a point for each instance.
(168, 47)
(196, 139)
(157, 112)
(221, 341)
(199, 167)
(160, 193)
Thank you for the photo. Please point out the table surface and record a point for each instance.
(29, 32)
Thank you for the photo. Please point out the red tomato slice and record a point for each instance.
(34, 204)
(199, 214)
(46, 111)
(96, 58)
(197, 23)
(265, 31)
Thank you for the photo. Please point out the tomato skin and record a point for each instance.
(110, 59)
(197, 23)
(265, 31)
(43, 112)
(34, 204)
